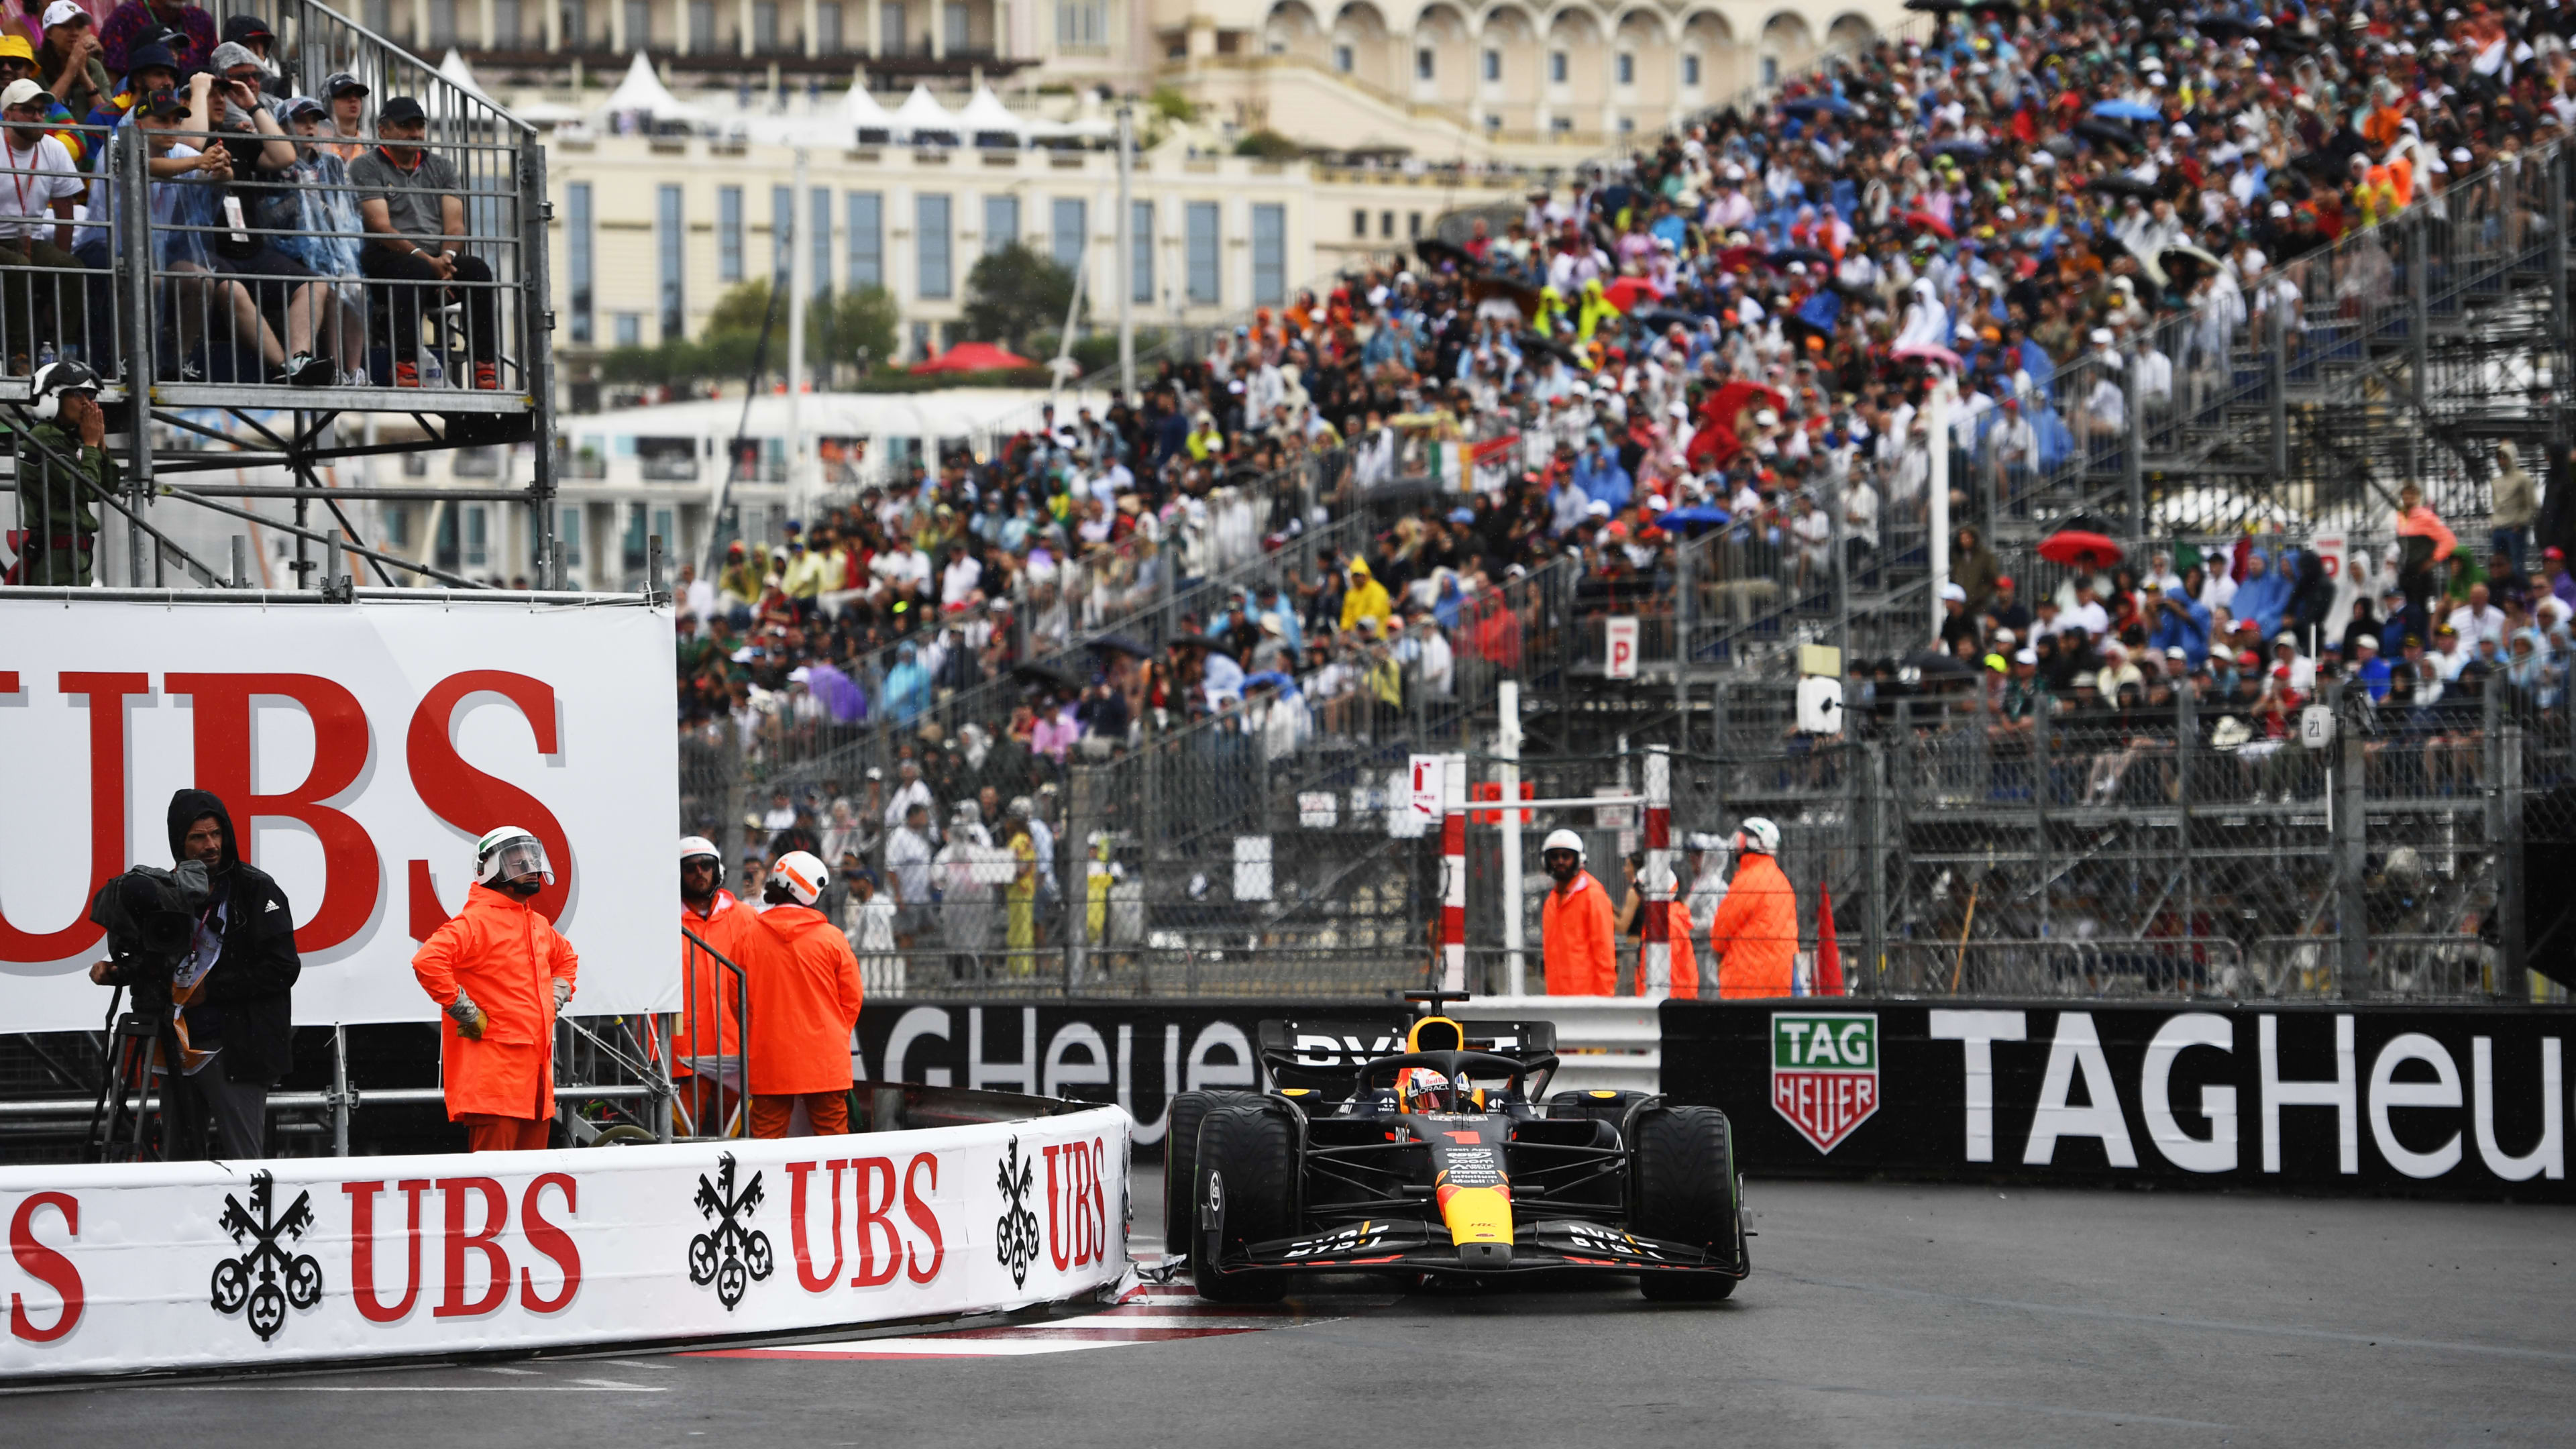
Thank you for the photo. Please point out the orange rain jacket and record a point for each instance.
(1685, 961)
(706, 986)
(500, 952)
(1578, 940)
(1754, 937)
(804, 1002)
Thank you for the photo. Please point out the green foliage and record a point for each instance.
(835, 335)
(1013, 294)
(895, 379)
(1168, 103)
(1268, 145)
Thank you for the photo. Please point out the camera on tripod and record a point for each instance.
(150, 916)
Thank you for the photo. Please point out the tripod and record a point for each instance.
(121, 1134)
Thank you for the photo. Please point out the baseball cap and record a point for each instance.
(1952, 593)
(229, 54)
(2175, 651)
(399, 111)
(65, 12)
(341, 83)
(25, 93)
(303, 106)
(164, 102)
(149, 57)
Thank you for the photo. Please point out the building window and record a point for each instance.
(1424, 65)
(958, 23)
(632, 552)
(378, 16)
(506, 25)
(572, 17)
(1359, 223)
(569, 535)
(827, 28)
(819, 254)
(1770, 70)
(397, 526)
(1561, 125)
(764, 27)
(577, 232)
(1140, 266)
(728, 234)
(1493, 122)
(1386, 223)
(630, 329)
(673, 236)
(1627, 67)
(1690, 70)
(1001, 223)
(1556, 67)
(665, 528)
(639, 24)
(867, 240)
(782, 227)
(478, 535)
(1203, 257)
(1627, 124)
(890, 31)
(1070, 227)
(442, 22)
(1493, 65)
(1269, 255)
(1081, 25)
(1413, 225)
(702, 26)
(921, 341)
(930, 232)
(1343, 60)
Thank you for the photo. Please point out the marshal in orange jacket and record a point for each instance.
(804, 1001)
(1579, 940)
(1685, 973)
(708, 987)
(1754, 936)
(500, 952)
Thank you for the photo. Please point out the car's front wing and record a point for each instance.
(1395, 1245)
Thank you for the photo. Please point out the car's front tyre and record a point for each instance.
(1687, 1191)
(1247, 1193)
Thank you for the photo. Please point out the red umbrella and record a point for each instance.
(972, 357)
(1929, 353)
(1928, 222)
(2077, 548)
(1627, 292)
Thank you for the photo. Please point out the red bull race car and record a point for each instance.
(1422, 1147)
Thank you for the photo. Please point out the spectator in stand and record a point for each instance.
(188, 32)
(414, 207)
(69, 64)
(2425, 547)
(2513, 506)
(44, 308)
(347, 97)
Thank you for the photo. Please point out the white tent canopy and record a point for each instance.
(457, 73)
(920, 113)
(985, 117)
(860, 109)
(642, 90)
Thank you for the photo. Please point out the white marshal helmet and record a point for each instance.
(509, 853)
(693, 846)
(1563, 840)
(1758, 836)
(803, 875)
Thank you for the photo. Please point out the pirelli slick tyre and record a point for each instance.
(1181, 1120)
(1687, 1192)
(1247, 1193)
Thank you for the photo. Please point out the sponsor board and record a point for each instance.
(361, 751)
(208, 1265)
(2468, 1102)
(1136, 1054)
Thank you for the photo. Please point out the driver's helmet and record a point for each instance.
(1420, 1089)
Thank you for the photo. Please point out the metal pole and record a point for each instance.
(1453, 873)
(340, 1097)
(2352, 845)
(1937, 408)
(2133, 469)
(2504, 836)
(1507, 747)
(241, 561)
(800, 281)
(142, 325)
(2278, 369)
(538, 323)
(1122, 270)
(665, 1103)
(1874, 920)
(1655, 883)
(1079, 811)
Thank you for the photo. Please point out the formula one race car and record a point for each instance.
(1431, 1159)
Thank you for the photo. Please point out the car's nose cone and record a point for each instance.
(1485, 1255)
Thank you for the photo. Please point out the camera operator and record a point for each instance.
(233, 987)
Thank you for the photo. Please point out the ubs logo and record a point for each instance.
(728, 1254)
(256, 1230)
(1015, 1233)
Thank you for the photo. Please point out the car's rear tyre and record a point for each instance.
(1687, 1192)
(1251, 1151)
(1181, 1120)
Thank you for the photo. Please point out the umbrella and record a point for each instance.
(1932, 662)
(1203, 641)
(1813, 257)
(2184, 253)
(1434, 251)
(972, 357)
(837, 691)
(1927, 352)
(1046, 676)
(2079, 548)
(1972, 150)
(1272, 678)
(2126, 111)
(1532, 341)
(1120, 643)
(1694, 521)
(2120, 186)
(2005, 7)
(1936, 7)
(1809, 105)
(2107, 133)
(1627, 292)
(1663, 318)
(1926, 221)
(2221, 26)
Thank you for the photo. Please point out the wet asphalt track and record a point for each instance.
(1877, 1314)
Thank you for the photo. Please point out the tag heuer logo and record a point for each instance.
(1824, 1072)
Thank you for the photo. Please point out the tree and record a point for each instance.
(1013, 293)
(837, 330)
(1268, 145)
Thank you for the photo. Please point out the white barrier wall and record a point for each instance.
(381, 740)
(118, 1269)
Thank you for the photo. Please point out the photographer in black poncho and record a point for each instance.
(212, 945)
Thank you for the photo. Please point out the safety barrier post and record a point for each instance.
(1507, 745)
(1655, 963)
(1453, 873)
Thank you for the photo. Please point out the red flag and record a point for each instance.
(1829, 957)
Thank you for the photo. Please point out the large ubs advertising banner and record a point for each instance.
(127, 1268)
(1134, 1053)
(361, 750)
(2446, 1101)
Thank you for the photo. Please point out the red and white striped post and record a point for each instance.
(1453, 873)
(1655, 964)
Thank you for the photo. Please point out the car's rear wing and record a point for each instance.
(1327, 1053)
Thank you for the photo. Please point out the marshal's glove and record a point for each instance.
(563, 992)
(469, 1018)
